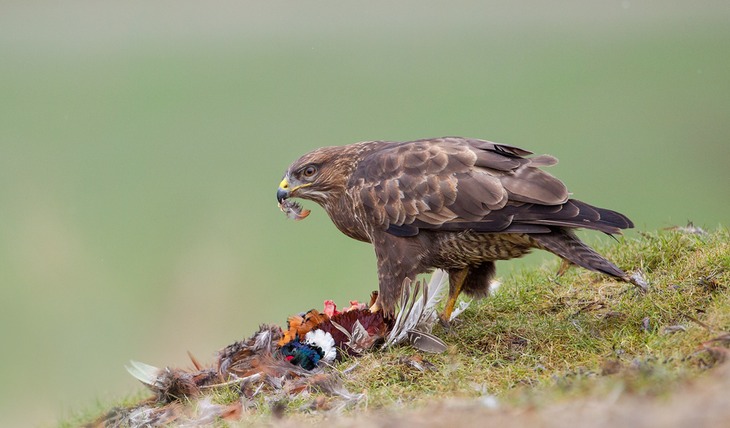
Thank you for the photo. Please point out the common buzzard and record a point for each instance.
(452, 203)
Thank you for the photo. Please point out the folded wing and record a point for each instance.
(455, 184)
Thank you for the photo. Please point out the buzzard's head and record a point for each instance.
(320, 176)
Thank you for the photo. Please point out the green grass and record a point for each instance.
(541, 339)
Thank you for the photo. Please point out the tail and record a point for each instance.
(566, 245)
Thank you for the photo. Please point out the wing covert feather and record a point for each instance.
(448, 182)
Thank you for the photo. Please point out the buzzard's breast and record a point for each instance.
(457, 250)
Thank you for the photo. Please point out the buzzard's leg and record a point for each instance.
(564, 266)
(456, 283)
(395, 263)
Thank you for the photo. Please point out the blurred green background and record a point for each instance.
(141, 144)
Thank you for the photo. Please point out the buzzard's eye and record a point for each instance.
(309, 171)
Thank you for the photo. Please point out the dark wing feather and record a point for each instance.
(572, 213)
(455, 184)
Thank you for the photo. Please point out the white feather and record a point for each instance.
(324, 341)
(144, 373)
(458, 310)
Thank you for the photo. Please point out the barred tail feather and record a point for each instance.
(565, 244)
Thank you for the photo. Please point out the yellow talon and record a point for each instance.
(375, 307)
(456, 283)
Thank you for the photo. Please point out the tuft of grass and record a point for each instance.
(540, 339)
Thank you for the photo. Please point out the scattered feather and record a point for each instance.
(646, 324)
(144, 373)
(293, 210)
(709, 282)
(416, 308)
(331, 385)
(426, 342)
(689, 229)
(419, 363)
(671, 329)
(463, 305)
(638, 278)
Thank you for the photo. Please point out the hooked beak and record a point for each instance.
(283, 192)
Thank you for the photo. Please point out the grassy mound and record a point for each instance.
(538, 335)
(541, 342)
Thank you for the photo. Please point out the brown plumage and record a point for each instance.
(452, 203)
